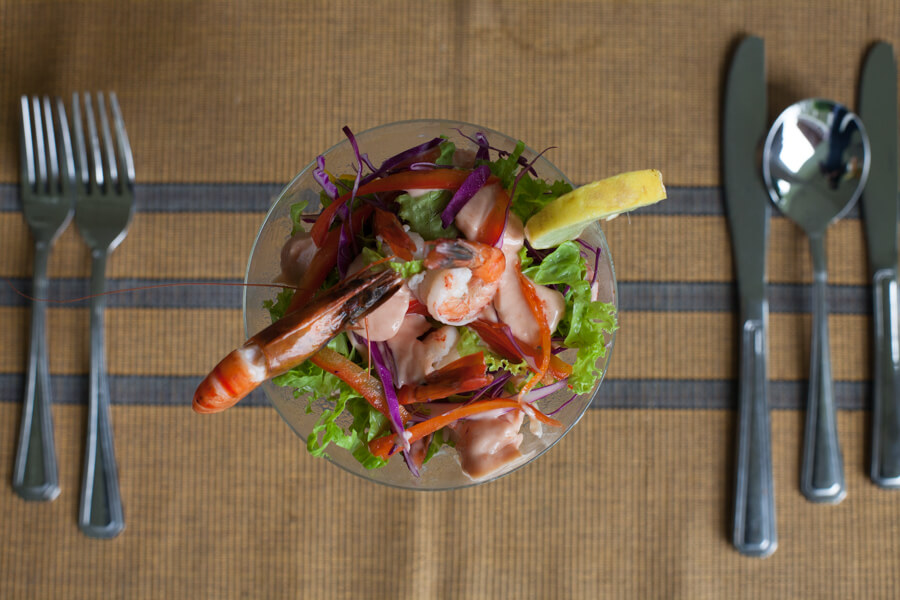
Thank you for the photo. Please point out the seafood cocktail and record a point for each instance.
(423, 339)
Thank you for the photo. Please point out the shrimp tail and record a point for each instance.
(292, 339)
(486, 262)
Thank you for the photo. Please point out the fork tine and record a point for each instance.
(67, 162)
(52, 160)
(97, 171)
(126, 160)
(39, 144)
(110, 152)
(28, 170)
(81, 160)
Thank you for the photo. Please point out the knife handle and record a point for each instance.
(754, 507)
(822, 469)
(886, 416)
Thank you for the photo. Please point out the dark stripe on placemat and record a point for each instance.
(253, 197)
(201, 295)
(616, 393)
(182, 197)
(633, 296)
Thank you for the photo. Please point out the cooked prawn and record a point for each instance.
(462, 279)
(293, 338)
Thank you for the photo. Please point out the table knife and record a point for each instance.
(747, 208)
(878, 110)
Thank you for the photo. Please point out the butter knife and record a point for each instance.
(878, 109)
(747, 207)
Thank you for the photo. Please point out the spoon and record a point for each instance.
(815, 164)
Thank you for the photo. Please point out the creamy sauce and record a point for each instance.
(510, 303)
(472, 216)
(487, 444)
(404, 345)
(296, 256)
(384, 322)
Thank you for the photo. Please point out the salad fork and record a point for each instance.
(103, 209)
(46, 184)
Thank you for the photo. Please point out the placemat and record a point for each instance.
(226, 101)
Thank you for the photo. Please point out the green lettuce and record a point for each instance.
(586, 322)
(470, 343)
(448, 148)
(424, 214)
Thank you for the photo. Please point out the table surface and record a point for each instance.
(226, 101)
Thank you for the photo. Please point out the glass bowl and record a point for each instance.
(443, 471)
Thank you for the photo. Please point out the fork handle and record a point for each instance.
(100, 514)
(35, 474)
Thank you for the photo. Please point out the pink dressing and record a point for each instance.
(296, 256)
(384, 322)
(487, 444)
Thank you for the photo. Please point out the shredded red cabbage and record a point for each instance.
(481, 141)
(346, 248)
(402, 157)
(474, 182)
(390, 396)
(322, 178)
(542, 392)
(562, 406)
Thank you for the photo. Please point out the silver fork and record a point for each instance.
(46, 184)
(103, 208)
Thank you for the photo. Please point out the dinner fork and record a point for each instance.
(103, 209)
(46, 184)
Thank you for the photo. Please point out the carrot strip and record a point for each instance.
(537, 310)
(495, 222)
(385, 446)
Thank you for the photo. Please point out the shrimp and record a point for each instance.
(461, 281)
(292, 339)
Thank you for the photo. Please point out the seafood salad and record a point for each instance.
(415, 302)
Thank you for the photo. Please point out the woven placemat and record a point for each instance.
(226, 101)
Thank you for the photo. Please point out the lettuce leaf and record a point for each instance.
(424, 214)
(586, 322)
(532, 195)
(297, 216)
(505, 168)
(470, 343)
(440, 438)
(406, 268)
(448, 148)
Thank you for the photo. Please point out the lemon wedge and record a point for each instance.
(566, 217)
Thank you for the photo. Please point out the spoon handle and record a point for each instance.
(886, 424)
(754, 508)
(822, 471)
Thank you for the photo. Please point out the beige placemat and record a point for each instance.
(634, 503)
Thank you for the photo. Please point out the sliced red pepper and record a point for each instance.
(493, 335)
(495, 222)
(385, 446)
(466, 374)
(324, 260)
(388, 226)
(356, 377)
(436, 179)
(416, 307)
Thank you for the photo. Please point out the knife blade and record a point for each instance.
(747, 209)
(878, 110)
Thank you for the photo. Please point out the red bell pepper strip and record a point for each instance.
(466, 374)
(495, 222)
(324, 260)
(385, 446)
(388, 226)
(436, 179)
(493, 335)
(356, 377)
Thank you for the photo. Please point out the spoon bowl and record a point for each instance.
(815, 164)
